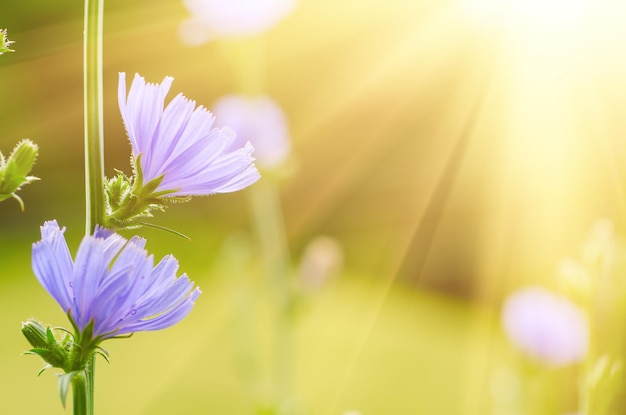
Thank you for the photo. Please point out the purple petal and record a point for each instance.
(165, 320)
(52, 264)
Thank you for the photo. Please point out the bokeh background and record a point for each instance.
(455, 150)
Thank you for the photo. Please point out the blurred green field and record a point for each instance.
(355, 347)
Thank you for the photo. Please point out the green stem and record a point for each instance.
(94, 131)
(83, 389)
(270, 229)
(80, 394)
(250, 69)
(90, 371)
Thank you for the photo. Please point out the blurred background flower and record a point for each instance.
(546, 326)
(259, 120)
(231, 18)
(322, 258)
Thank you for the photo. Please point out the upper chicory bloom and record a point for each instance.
(231, 18)
(113, 286)
(546, 326)
(259, 120)
(177, 145)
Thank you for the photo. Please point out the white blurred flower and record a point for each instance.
(231, 18)
(546, 326)
(259, 120)
(322, 258)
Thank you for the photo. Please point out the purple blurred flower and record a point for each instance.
(231, 18)
(112, 282)
(259, 120)
(179, 144)
(546, 326)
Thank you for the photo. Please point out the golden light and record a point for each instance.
(536, 16)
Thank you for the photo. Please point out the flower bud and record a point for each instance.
(45, 345)
(35, 333)
(4, 42)
(14, 170)
(22, 158)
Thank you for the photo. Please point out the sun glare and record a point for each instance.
(539, 16)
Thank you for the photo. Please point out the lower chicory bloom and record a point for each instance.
(231, 18)
(546, 326)
(178, 146)
(259, 120)
(112, 287)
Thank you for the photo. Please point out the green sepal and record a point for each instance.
(43, 369)
(85, 344)
(65, 381)
(163, 228)
(130, 199)
(102, 352)
(118, 189)
(50, 356)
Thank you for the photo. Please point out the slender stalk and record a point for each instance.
(270, 230)
(249, 59)
(94, 131)
(83, 391)
(90, 372)
(80, 394)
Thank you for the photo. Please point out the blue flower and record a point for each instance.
(113, 286)
(178, 145)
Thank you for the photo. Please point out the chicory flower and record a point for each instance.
(176, 154)
(179, 144)
(112, 287)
